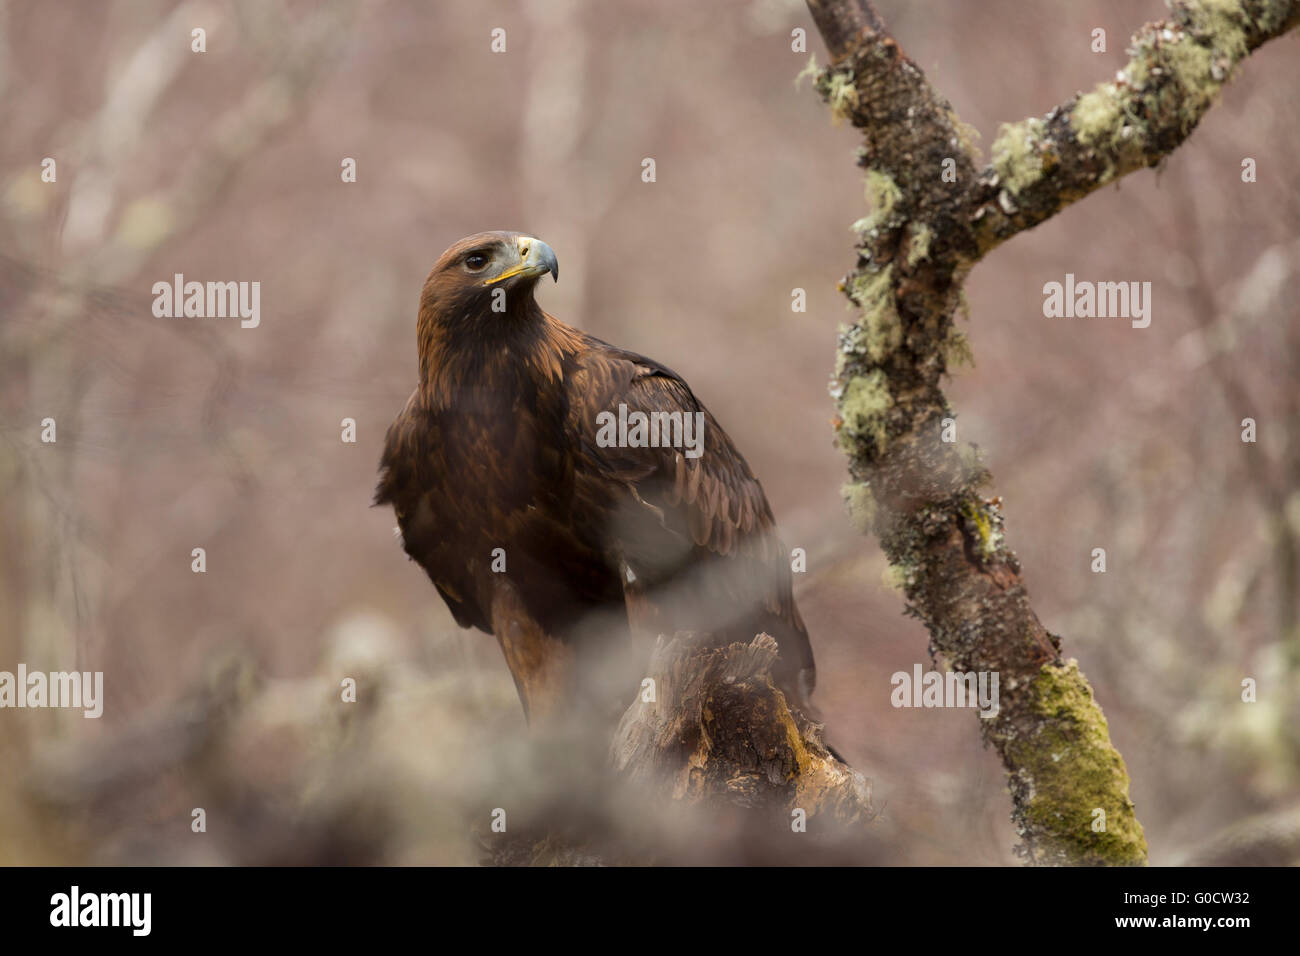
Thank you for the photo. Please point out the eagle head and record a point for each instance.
(473, 272)
(479, 297)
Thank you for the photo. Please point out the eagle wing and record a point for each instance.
(412, 459)
(696, 532)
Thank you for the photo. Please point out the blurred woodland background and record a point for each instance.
(221, 688)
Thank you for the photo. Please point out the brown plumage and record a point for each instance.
(497, 449)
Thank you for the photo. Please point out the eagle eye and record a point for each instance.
(476, 261)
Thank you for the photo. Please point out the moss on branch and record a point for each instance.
(1176, 70)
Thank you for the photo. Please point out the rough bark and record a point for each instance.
(711, 745)
(718, 730)
(921, 495)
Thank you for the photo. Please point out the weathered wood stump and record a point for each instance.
(719, 730)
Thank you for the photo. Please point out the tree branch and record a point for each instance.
(844, 26)
(933, 217)
(1176, 70)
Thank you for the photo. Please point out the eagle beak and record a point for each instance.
(536, 258)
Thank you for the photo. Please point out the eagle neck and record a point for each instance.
(505, 353)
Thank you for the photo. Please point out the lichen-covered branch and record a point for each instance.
(933, 216)
(1176, 70)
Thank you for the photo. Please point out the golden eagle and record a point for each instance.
(564, 494)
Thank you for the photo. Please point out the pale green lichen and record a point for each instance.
(896, 577)
(841, 357)
(1195, 76)
(967, 136)
(841, 95)
(881, 329)
(1136, 73)
(882, 192)
(1102, 120)
(883, 195)
(963, 304)
(864, 408)
(861, 504)
(956, 350)
(809, 72)
(1018, 154)
(1174, 75)
(1193, 68)
(1097, 117)
(1066, 769)
(1222, 23)
(919, 246)
(986, 531)
(1272, 16)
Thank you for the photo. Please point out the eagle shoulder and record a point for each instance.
(707, 494)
